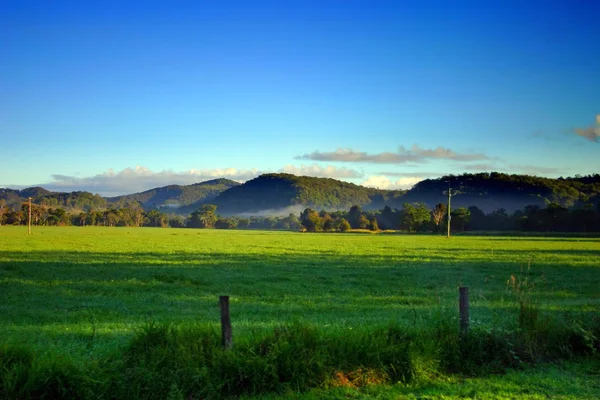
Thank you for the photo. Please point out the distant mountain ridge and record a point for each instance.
(177, 196)
(276, 193)
(494, 190)
(281, 191)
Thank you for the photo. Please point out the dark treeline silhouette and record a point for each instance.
(411, 218)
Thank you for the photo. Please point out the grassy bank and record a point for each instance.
(187, 362)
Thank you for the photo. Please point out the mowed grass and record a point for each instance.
(85, 292)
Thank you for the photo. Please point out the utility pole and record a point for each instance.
(449, 217)
(29, 223)
(449, 193)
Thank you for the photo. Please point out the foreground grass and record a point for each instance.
(566, 381)
(175, 362)
(86, 294)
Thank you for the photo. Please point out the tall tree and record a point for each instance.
(460, 217)
(415, 217)
(205, 217)
(311, 220)
(438, 214)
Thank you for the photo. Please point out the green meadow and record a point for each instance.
(91, 297)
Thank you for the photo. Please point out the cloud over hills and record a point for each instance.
(414, 154)
(591, 133)
(383, 182)
(138, 179)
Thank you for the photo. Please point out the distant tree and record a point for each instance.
(136, 215)
(556, 218)
(205, 217)
(81, 218)
(226, 223)
(354, 217)
(311, 220)
(13, 218)
(438, 214)
(477, 220)
(343, 225)
(3, 210)
(157, 219)
(243, 223)
(530, 218)
(460, 217)
(388, 218)
(373, 225)
(363, 222)
(499, 220)
(327, 221)
(291, 222)
(415, 217)
(177, 221)
(110, 217)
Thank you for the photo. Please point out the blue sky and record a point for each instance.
(115, 96)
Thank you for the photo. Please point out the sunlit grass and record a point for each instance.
(59, 277)
(84, 292)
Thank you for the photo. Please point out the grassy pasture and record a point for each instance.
(84, 292)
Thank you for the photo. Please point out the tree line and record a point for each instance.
(411, 217)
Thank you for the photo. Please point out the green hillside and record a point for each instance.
(12, 198)
(491, 191)
(273, 192)
(177, 196)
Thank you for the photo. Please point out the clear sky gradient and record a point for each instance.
(120, 96)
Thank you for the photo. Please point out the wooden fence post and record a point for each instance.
(463, 305)
(226, 334)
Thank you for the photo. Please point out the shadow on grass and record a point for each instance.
(54, 287)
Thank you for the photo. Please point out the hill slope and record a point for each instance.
(178, 196)
(491, 191)
(275, 193)
(72, 200)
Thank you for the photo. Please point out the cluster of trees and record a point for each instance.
(417, 217)
(69, 201)
(411, 217)
(44, 215)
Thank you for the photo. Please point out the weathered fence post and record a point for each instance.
(463, 306)
(226, 334)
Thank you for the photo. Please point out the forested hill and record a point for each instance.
(177, 196)
(13, 199)
(492, 191)
(167, 198)
(278, 193)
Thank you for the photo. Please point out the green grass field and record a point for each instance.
(84, 293)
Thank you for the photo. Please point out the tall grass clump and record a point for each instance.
(164, 361)
(542, 337)
(24, 376)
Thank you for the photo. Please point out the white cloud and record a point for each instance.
(515, 169)
(591, 133)
(415, 154)
(138, 179)
(408, 182)
(321, 172)
(383, 182)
